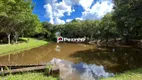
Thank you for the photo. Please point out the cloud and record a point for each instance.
(61, 8)
(78, 18)
(86, 4)
(58, 21)
(51, 21)
(69, 20)
(98, 10)
(48, 11)
(72, 2)
(56, 10)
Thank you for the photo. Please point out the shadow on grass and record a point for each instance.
(19, 41)
(118, 59)
(22, 40)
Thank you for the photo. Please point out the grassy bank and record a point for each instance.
(129, 75)
(14, 48)
(27, 76)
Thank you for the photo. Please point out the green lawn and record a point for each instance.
(27, 76)
(13, 48)
(129, 75)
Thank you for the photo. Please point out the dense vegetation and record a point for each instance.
(128, 18)
(91, 29)
(16, 19)
(124, 22)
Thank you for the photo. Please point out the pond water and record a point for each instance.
(114, 59)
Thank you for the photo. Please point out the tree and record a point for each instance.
(6, 17)
(108, 27)
(33, 25)
(128, 18)
(90, 28)
(17, 18)
(48, 30)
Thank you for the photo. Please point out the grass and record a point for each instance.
(129, 75)
(28, 76)
(15, 48)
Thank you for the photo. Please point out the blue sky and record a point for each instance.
(62, 11)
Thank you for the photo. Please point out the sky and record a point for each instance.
(62, 11)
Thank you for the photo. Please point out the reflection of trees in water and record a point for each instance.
(8, 58)
(122, 59)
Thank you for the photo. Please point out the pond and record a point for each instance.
(114, 59)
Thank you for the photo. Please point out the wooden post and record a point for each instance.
(54, 71)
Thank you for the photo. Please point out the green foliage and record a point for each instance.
(128, 18)
(108, 27)
(48, 30)
(129, 75)
(48, 69)
(124, 22)
(92, 29)
(16, 18)
(28, 76)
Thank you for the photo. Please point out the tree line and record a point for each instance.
(125, 22)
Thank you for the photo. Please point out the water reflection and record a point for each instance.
(9, 58)
(113, 50)
(81, 71)
(114, 59)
